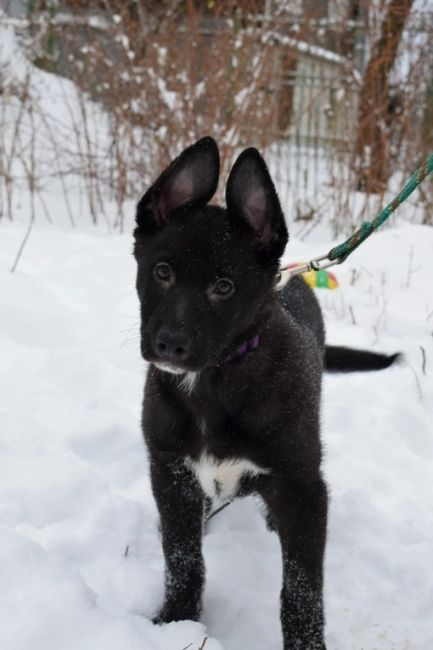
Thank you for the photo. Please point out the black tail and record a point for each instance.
(339, 359)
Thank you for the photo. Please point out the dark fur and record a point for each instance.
(264, 406)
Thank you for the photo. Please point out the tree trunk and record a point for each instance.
(372, 163)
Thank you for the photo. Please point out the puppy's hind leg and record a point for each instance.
(180, 503)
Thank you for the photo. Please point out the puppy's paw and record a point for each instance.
(171, 615)
(159, 619)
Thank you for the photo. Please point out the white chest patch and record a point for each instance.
(221, 478)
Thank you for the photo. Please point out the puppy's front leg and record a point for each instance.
(299, 512)
(180, 503)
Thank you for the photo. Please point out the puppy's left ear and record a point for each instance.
(188, 182)
(252, 198)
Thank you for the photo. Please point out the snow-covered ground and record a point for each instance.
(81, 565)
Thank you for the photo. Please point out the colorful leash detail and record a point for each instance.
(340, 253)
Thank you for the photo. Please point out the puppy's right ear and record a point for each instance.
(188, 182)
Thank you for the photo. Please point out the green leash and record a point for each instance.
(340, 253)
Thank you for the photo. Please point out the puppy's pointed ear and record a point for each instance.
(251, 197)
(189, 181)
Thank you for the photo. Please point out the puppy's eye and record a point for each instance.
(223, 288)
(163, 272)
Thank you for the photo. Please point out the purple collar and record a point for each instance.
(245, 347)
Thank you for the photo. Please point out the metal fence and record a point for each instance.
(296, 101)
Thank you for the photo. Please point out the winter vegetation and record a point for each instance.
(338, 93)
(95, 98)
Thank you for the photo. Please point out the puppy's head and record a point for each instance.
(204, 272)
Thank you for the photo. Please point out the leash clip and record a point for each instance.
(316, 265)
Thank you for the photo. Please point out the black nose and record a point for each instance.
(172, 345)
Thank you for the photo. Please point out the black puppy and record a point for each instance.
(232, 396)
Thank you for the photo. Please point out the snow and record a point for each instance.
(80, 555)
(307, 48)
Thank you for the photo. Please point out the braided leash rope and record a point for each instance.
(340, 253)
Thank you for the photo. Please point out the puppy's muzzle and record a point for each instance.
(172, 345)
